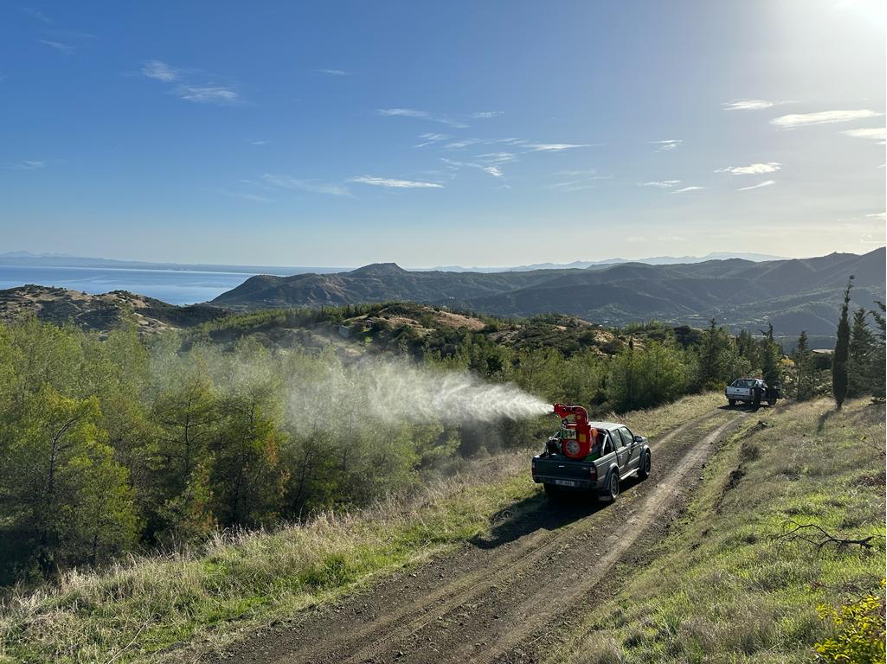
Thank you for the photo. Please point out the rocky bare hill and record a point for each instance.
(100, 312)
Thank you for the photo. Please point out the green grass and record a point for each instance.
(725, 585)
(140, 609)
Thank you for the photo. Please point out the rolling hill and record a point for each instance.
(793, 294)
(100, 312)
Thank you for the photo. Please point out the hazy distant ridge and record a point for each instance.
(794, 294)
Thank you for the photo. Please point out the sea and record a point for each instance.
(173, 286)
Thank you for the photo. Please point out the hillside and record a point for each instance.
(698, 563)
(793, 294)
(100, 312)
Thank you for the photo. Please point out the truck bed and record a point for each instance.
(561, 471)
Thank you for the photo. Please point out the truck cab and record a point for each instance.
(613, 454)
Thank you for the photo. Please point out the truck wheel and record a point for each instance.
(553, 493)
(644, 468)
(613, 485)
(771, 402)
(732, 402)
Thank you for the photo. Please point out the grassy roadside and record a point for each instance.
(723, 586)
(144, 609)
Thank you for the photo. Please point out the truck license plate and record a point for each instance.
(565, 482)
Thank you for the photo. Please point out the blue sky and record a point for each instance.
(472, 133)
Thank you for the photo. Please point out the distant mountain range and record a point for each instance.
(793, 294)
(582, 265)
(28, 259)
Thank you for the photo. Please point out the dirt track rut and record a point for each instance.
(502, 597)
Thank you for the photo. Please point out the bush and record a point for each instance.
(860, 632)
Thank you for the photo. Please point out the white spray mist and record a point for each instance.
(393, 391)
(406, 392)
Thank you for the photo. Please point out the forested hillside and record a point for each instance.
(122, 442)
(115, 440)
(793, 295)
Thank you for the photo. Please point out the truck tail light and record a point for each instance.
(534, 468)
(592, 472)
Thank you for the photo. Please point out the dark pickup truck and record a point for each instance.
(592, 457)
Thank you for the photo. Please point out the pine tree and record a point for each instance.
(860, 355)
(73, 504)
(803, 382)
(842, 348)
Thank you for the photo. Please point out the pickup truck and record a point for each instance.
(614, 453)
(751, 390)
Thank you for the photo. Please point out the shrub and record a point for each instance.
(860, 632)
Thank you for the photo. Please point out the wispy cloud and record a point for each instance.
(752, 169)
(766, 183)
(748, 105)
(871, 133)
(160, 71)
(206, 94)
(583, 179)
(40, 16)
(687, 189)
(245, 196)
(496, 157)
(752, 104)
(572, 185)
(490, 168)
(333, 72)
(430, 139)
(66, 49)
(310, 185)
(660, 184)
(464, 143)
(667, 145)
(822, 117)
(199, 93)
(392, 183)
(27, 165)
(422, 115)
(586, 172)
(259, 142)
(556, 147)
(487, 114)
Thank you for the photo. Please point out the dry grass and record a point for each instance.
(161, 608)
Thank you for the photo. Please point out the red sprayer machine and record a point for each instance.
(577, 435)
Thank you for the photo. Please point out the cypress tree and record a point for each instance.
(877, 366)
(861, 352)
(803, 390)
(842, 349)
(770, 357)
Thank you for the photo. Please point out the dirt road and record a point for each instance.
(505, 598)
